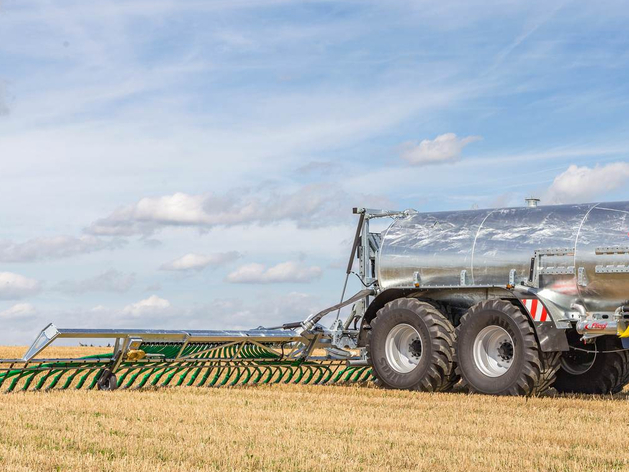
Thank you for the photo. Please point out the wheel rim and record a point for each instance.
(577, 362)
(403, 348)
(493, 351)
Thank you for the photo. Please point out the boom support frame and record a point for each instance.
(299, 352)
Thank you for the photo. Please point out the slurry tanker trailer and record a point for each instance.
(507, 301)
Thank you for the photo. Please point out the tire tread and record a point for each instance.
(441, 374)
(540, 368)
(609, 375)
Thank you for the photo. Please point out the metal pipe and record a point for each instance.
(352, 254)
(350, 263)
(597, 327)
(312, 320)
(580, 308)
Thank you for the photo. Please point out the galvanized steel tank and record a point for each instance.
(584, 251)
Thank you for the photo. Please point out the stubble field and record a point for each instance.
(296, 428)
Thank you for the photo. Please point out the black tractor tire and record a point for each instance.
(530, 371)
(107, 380)
(601, 373)
(435, 369)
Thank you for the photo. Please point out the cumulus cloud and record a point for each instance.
(266, 309)
(307, 206)
(582, 184)
(53, 248)
(285, 272)
(444, 148)
(200, 261)
(15, 286)
(238, 313)
(109, 281)
(18, 311)
(218, 313)
(152, 305)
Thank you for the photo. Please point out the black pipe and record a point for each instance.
(359, 228)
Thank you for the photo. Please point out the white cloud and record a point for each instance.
(307, 206)
(18, 311)
(265, 308)
(139, 124)
(444, 148)
(53, 247)
(200, 261)
(219, 313)
(582, 184)
(109, 281)
(285, 272)
(237, 313)
(14, 286)
(152, 305)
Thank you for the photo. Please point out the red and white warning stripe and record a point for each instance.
(536, 309)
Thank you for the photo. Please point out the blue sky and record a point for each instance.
(193, 164)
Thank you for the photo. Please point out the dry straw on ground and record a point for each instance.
(296, 428)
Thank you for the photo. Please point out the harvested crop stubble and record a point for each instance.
(295, 428)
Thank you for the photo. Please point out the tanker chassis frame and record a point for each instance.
(507, 339)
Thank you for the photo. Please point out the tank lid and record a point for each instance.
(532, 202)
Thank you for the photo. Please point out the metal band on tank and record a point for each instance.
(576, 244)
(474, 243)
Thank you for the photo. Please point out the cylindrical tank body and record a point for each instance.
(584, 251)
